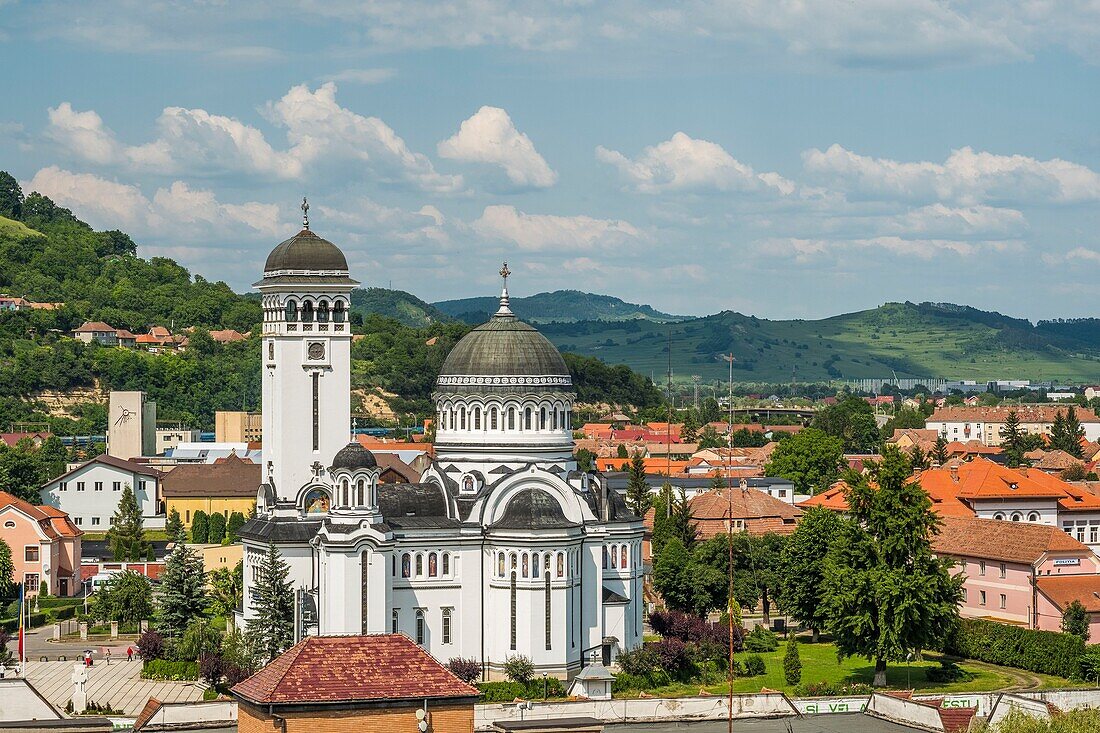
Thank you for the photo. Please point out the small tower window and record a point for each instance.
(462, 418)
(526, 564)
(500, 564)
(433, 565)
(477, 418)
(561, 564)
(542, 418)
(322, 312)
(338, 312)
(446, 626)
(554, 425)
(360, 493)
(445, 559)
(394, 621)
(511, 418)
(420, 630)
(493, 418)
(535, 565)
(307, 312)
(345, 499)
(622, 557)
(419, 565)
(291, 310)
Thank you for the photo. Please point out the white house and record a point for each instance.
(90, 492)
(503, 547)
(985, 423)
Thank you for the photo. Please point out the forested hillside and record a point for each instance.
(397, 304)
(558, 306)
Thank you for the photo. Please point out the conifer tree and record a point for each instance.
(1074, 433)
(689, 432)
(637, 490)
(182, 594)
(200, 528)
(885, 593)
(233, 526)
(918, 458)
(272, 627)
(1059, 435)
(792, 662)
(1012, 440)
(174, 528)
(126, 537)
(939, 450)
(216, 528)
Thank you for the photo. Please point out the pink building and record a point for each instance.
(1057, 592)
(1007, 564)
(45, 546)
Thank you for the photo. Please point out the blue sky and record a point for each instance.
(781, 158)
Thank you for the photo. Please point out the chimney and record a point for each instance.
(955, 472)
(1023, 470)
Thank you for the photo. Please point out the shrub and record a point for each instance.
(792, 663)
(672, 655)
(163, 669)
(834, 689)
(502, 691)
(754, 665)
(638, 662)
(150, 645)
(215, 531)
(211, 668)
(200, 527)
(761, 639)
(519, 668)
(1046, 652)
(467, 670)
(948, 671)
(1090, 664)
(695, 630)
(234, 674)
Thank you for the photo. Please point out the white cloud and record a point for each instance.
(683, 163)
(109, 204)
(547, 232)
(1082, 254)
(362, 76)
(490, 137)
(966, 177)
(810, 249)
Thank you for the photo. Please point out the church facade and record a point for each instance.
(503, 548)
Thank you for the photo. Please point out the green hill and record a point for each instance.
(397, 304)
(911, 340)
(559, 306)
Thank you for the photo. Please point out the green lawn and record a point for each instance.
(150, 534)
(819, 664)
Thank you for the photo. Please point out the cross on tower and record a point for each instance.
(317, 468)
(504, 310)
(305, 213)
(504, 273)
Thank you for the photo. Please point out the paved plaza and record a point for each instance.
(118, 684)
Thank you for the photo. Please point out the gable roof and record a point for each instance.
(762, 513)
(990, 539)
(376, 667)
(93, 327)
(1026, 413)
(983, 479)
(106, 460)
(1063, 590)
(229, 477)
(54, 523)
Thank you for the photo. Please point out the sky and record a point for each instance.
(783, 158)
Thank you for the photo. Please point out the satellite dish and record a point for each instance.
(421, 713)
(422, 726)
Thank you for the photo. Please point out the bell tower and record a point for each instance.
(306, 298)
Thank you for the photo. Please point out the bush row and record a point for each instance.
(164, 669)
(11, 625)
(1047, 652)
(509, 691)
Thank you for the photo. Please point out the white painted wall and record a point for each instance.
(91, 509)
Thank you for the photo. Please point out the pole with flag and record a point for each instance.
(22, 629)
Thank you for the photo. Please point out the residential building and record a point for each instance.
(1005, 564)
(225, 486)
(381, 682)
(89, 493)
(693, 485)
(985, 423)
(168, 437)
(908, 438)
(237, 426)
(742, 509)
(131, 425)
(1057, 592)
(1052, 461)
(97, 331)
(217, 557)
(45, 546)
(36, 438)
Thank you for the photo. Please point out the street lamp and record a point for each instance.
(545, 688)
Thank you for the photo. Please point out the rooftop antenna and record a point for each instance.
(305, 213)
(504, 310)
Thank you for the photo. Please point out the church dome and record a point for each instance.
(505, 347)
(353, 456)
(305, 251)
(533, 509)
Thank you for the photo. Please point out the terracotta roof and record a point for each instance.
(956, 720)
(227, 477)
(12, 439)
(54, 523)
(832, 498)
(227, 335)
(984, 479)
(147, 713)
(1026, 413)
(93, 327)
(1008, 541)
(761, 512)
(122, 333)
(1052, 460)
(1063, 590)
(324, 669)
(918, 435)
(971, 447)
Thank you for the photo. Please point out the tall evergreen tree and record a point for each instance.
(637, 489)
(233, 526)
(182, 594)
(200, 528)
(272, 627)
(1059, 436)
(7, 570)
(939, 451)
(886, 593)
(1074, 432)
(174, 528)
(802, 567)
(216, 528)
(1012, 440)
(689, 432)
(126, 537)
(918, 458)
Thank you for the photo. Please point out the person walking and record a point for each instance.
(129, 654)
(108, 656)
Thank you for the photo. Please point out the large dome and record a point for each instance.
(305, 251)
(505, 351)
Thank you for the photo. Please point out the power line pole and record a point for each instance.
(695, 379)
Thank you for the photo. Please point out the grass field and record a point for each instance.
(12, 228)
(819, 664)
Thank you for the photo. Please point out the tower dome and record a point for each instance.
(353, 456)
(306, 251)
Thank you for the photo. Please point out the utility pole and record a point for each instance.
(695, 380)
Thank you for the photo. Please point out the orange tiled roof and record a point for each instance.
(1063, 590)
(983, 479)
(1026, 413)
(93, 327)
(761, 512)
(53, 522)
(1007, 541)
(971, 447)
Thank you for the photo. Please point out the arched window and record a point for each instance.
(291, 310)
(614, 557)
(406, 565)
(605, 558)
(419, 565)
(513, 561)
(322, 312)
(338, 312)
(561, 565)
(492, 418)
(500, 564)
(394, 619)
(433, 565)
(307, 312)
(420, 627)
(462, 417)
(477, 418)
(446, 560)
(622, 559)
(360, 493)
(1016, 516)
(999, 516)
(546, 563)
(1033, 517)
(446, 626)
(526, 564)
(542, 418)
(511, 418)
(527, 419)
(535, 565)
(345, 493)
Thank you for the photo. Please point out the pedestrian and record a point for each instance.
(129, 654)
(87, 659)
(108, 655)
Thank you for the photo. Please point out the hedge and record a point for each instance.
(1047, 652)
(12, 624)
(509, 691)
(164, 669)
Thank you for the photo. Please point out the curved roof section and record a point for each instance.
(504, 352)
(353, 456)
(533, 509)
(411, 500)
(306, 251)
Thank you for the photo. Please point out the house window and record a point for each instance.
(79, 485)
(981, 568)
(31, 582)
(63, 486)
(1092, 534)
(1004, 600)
(1003, 570)
(981, 598)
(99, 486)
(78, 521)
(446, 560)
(420, 627)
(1033, 517)
(95, 521)
(30, 553)
(394, 618)
(446, 626)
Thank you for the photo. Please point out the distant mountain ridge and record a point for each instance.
(397, 304)
(559, 306)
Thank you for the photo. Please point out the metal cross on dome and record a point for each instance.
(504, 310)
(305, 213)
(504, 273)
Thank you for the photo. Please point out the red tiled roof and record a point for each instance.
(12, 439)
(1026, 413)
(231, 476)
(760, 512)
(984, 479)
(125, 465)
(1063, 590)
(956, 720)
(324, 669)
(1020, 542)
(93, 327)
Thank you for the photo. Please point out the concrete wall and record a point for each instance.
(905, 712)
(193, 714)
(21, 702)
(1008, 703)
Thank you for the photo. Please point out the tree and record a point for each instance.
(918, 458)
(126, 537)
(200, 528)
(686, 584)
(1059, 436)
(906, 417)
(810, 459)
(939, 451)
(886, 594)
(802, 567)
(174, 528)
(227, 589)
(672, 518)
(519, 668)
(216, 528)
(689, 432)
(710, 411)
(745, 438)
(233, 526)
(586, 460)
(127, 597)
(182, 594)
(621, 452)
(272, 627)
(637, 489)
(1071, 434)
(1012, 440)
(1075, 620)
(11, 197)
(710, 439)
(792, 663)
(7, 570)
(853, 421)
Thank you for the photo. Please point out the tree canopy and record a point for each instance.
(810, 459)
(853, 421)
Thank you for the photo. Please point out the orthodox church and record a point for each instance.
(502, 548)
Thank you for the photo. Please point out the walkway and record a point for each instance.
(119, 685)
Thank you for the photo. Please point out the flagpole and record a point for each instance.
(22, 628)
